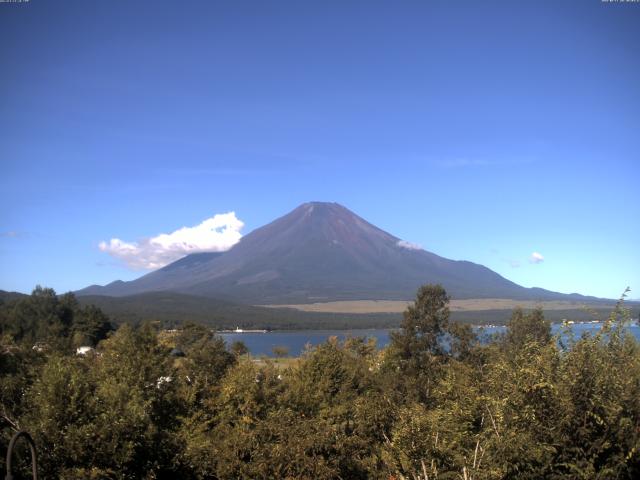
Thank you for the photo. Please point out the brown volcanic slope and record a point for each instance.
(322, 252)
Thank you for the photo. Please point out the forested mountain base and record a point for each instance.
(523, 406)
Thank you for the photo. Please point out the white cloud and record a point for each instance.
(216, 234)
(536, 258)
(409, 245)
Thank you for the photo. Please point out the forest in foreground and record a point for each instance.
(522, 406)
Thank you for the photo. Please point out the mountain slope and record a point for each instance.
(321, 252)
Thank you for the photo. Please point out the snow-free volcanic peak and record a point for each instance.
(322, 252)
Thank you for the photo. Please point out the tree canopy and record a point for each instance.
(434, 404)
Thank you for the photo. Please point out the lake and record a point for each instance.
(260, 344)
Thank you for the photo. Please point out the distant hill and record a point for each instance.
(9, 296)
(173, 309)
(176, 308)
(322, 252)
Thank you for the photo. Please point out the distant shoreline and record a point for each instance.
(634, 321)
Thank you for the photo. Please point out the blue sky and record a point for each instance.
(483, 131)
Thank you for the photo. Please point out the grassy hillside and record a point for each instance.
(465, 305)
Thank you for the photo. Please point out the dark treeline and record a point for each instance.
(59, 321)
(523, 406)
(171, 309)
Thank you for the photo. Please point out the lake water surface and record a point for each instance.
(260, 344)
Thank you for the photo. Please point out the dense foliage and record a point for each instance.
(434, 404)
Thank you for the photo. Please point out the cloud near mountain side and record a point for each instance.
(216, 234)
(409, 245)
(536, 258)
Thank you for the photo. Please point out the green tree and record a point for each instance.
(90, 325)
(112, 413)
(416, 351)
(238, 348)
(528, 327)
(599, 431)
(280, 351)
(55, 322)
(424, 323)
(40, 317)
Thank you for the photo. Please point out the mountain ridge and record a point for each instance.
(322, 252)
